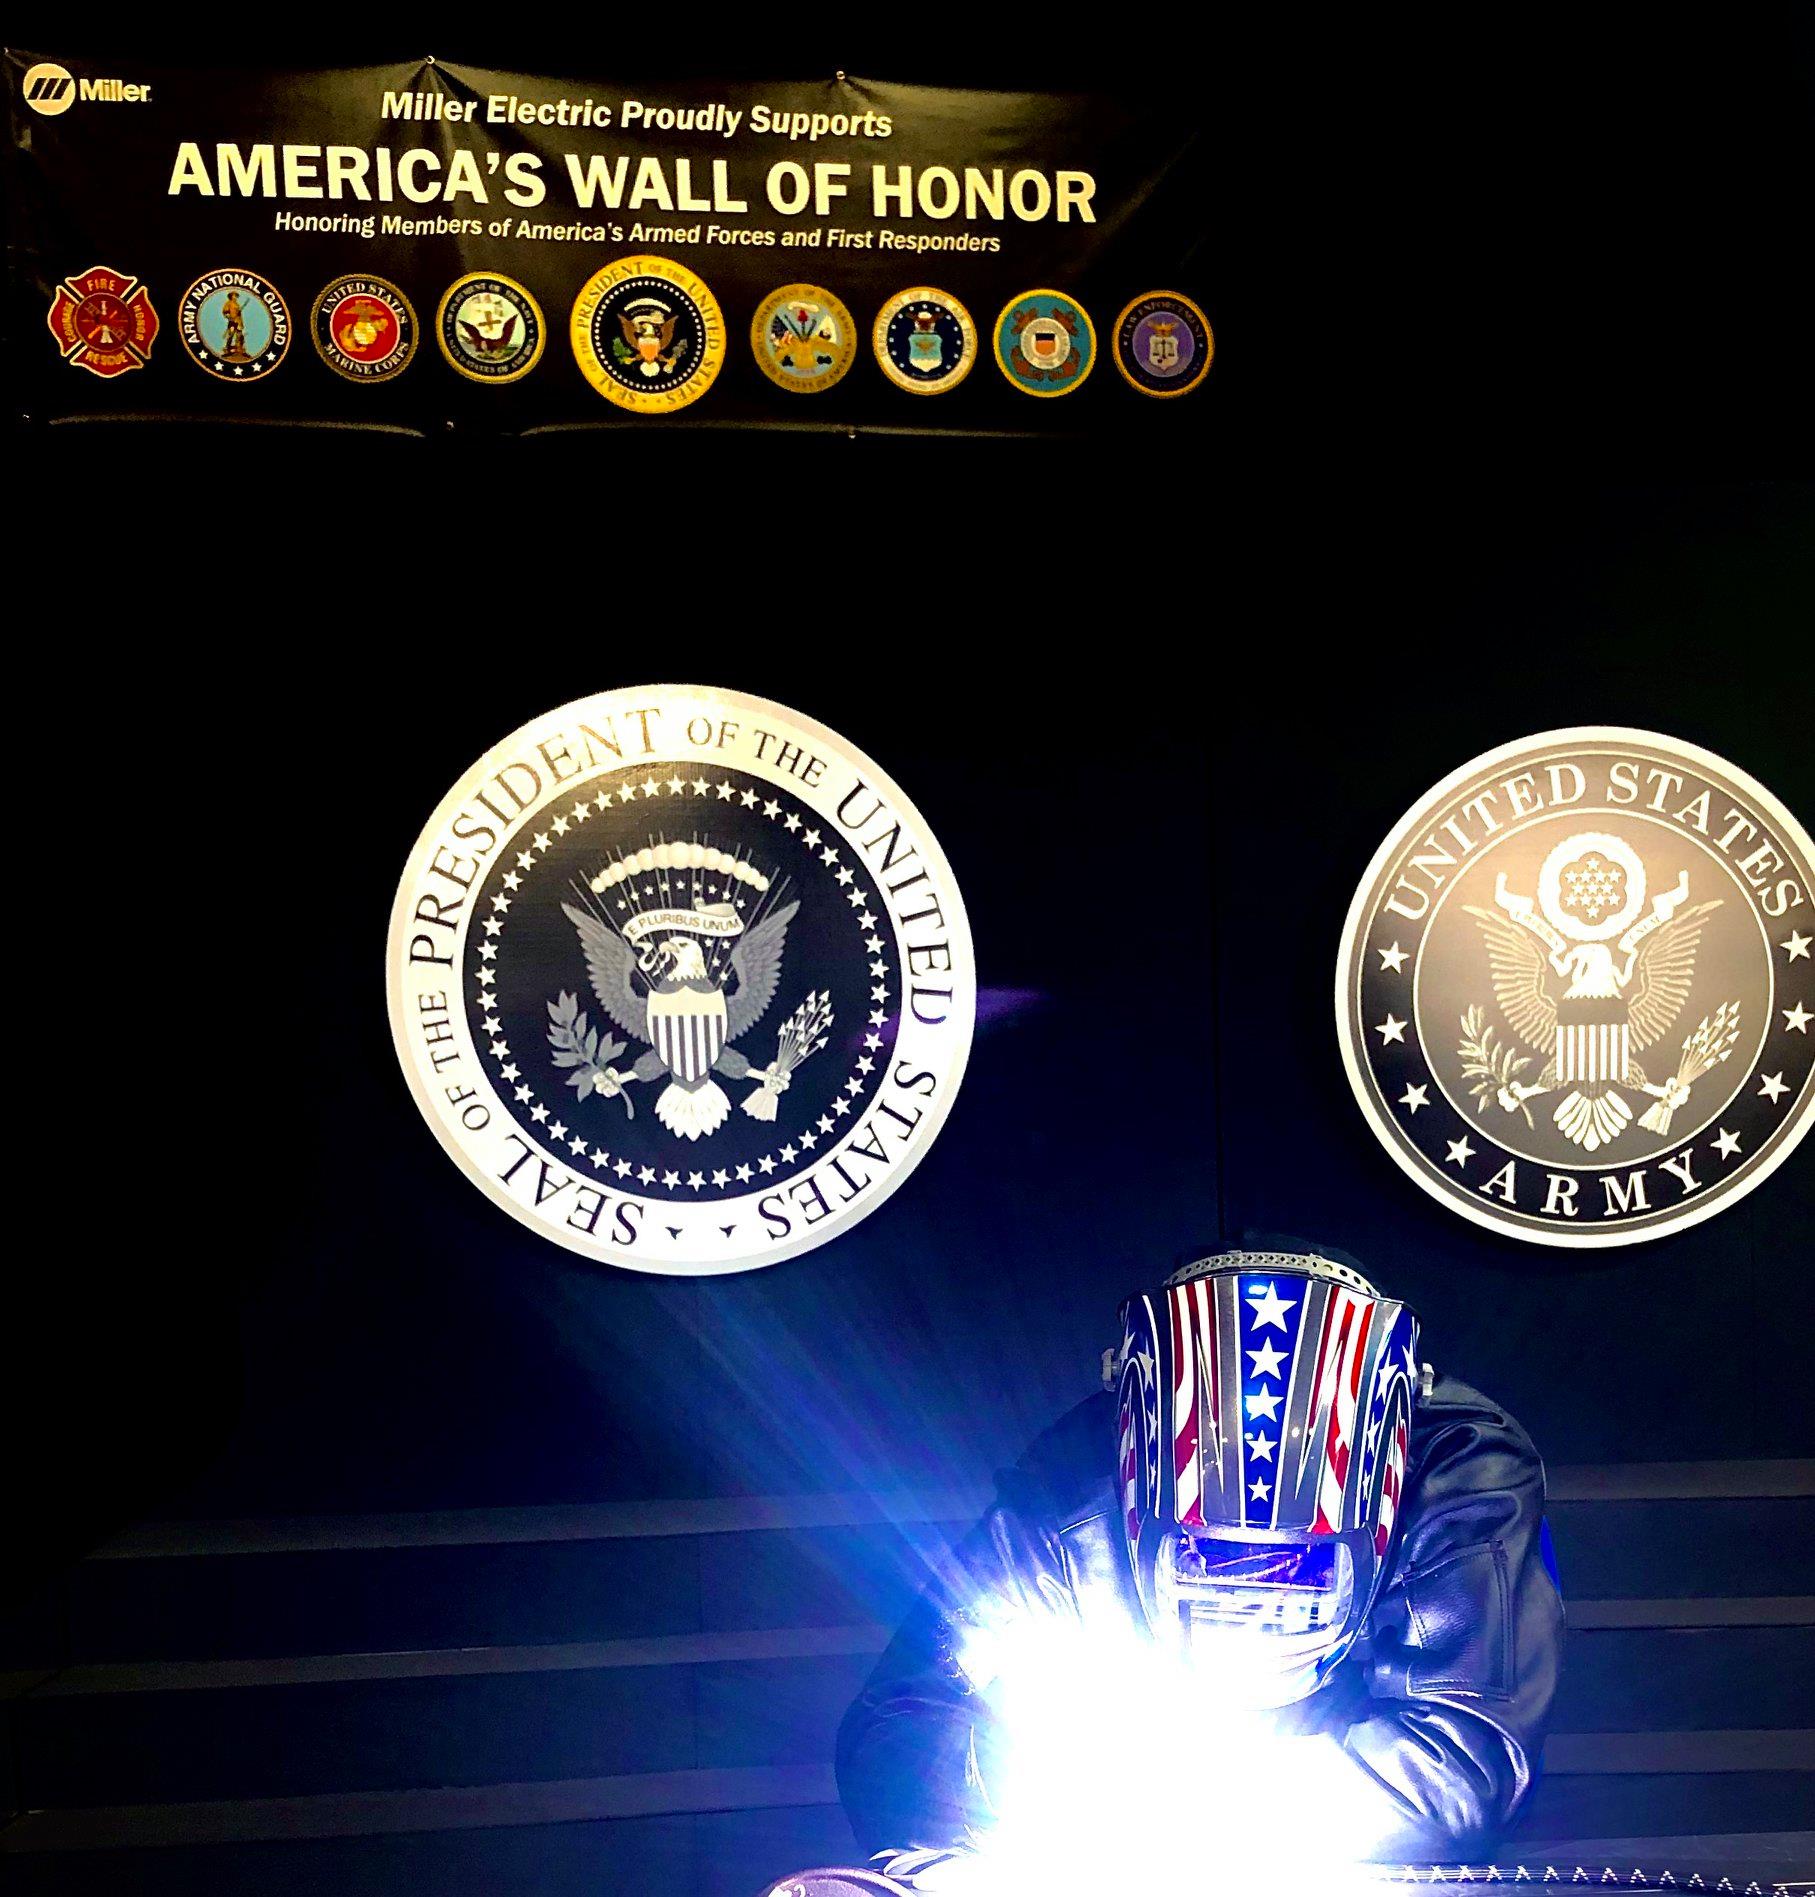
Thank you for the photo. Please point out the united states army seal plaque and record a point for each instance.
(681, 980)
(1576, 990)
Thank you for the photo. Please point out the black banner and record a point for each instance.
(431, 246)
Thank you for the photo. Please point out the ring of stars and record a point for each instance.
(678, 1178)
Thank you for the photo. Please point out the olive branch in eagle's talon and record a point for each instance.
(1491, 1071)
(580, 1048)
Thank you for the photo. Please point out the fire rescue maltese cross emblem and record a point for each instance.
(681, 980)
(1576, 987)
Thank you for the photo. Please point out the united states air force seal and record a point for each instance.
(1576, 992)
(925, 341)
(648, 334)
(681, 980)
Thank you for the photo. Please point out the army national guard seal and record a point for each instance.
(1576, 991)
(648, 334)
(235, 325)
(681, 980)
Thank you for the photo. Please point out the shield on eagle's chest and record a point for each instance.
(687, 1028)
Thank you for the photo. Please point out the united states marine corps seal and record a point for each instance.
(364, 328)
(1577, 987)
(648, 334)
(235, 325)
(490, 328)
(803, 338)
(1163, 343)
(925, 341)
(1046, 343)
(681, 980)
(103, 321)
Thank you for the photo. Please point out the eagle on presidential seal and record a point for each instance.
(675, 963)
(1626, 968)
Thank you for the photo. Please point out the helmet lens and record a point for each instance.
(1265, 1607)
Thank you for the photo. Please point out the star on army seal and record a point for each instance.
(103, 321)
(925, 341)
(803, 338)
(1163, 343)
(681, 980)
(1576, 992)
(235, 325)
(490, 328)
(648, 334)
(1046, 343)
(365, 328)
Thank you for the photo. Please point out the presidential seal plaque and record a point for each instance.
(1577, 986)
(681, 980)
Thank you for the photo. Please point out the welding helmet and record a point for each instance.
(1263, 1402)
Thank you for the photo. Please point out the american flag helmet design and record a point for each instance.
(1265, 1398)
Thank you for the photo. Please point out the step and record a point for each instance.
(140, 1734)
(523, 1576)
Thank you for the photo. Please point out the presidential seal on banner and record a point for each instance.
(681, 980)
(648, 334)
(1576, 992)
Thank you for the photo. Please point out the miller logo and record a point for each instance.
(1576, 987)
(681, 980)
(51, 89)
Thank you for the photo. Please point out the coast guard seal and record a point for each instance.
(681, 980)
(1046, 343)
(1576, 992)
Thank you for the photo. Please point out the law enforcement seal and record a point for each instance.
(1576, 992)
(925, 341)
(681, 980)
(648, 334)
(1046, 343)
(490, 328)
(235, 325)
(364, 328)
(103, 321)
(803, 338)
(1163, 343)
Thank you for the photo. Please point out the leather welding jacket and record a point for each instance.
(1439, 1706)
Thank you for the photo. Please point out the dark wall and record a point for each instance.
(285, 1299)
(1401, 527)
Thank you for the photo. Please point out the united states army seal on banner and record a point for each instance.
(1576, 992)
(681, 980)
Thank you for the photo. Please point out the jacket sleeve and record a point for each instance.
(1465, 1642)
(908, 1748)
